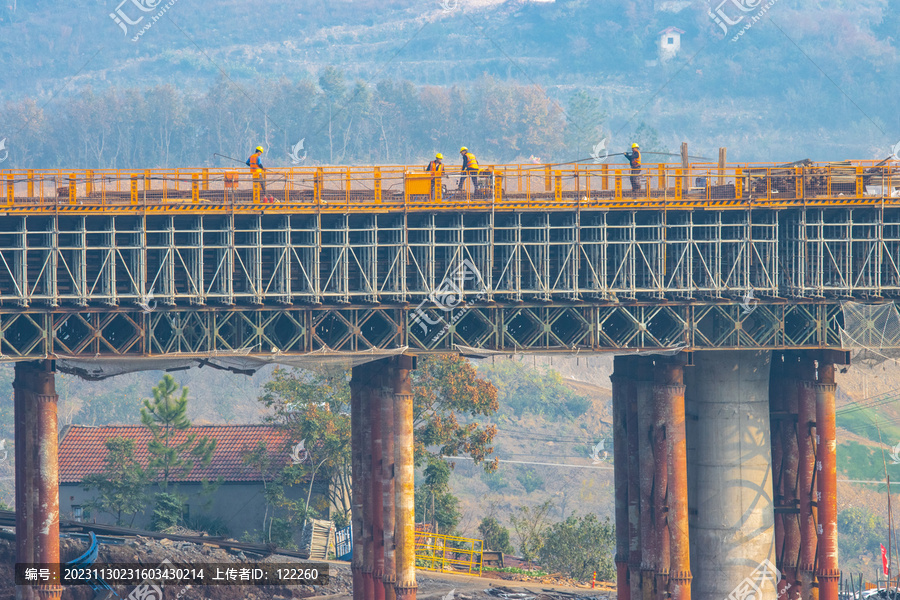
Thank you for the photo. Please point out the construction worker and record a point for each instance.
(634, 157)
(256, 166)
(470, 167)
(436, 168)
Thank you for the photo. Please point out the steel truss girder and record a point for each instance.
(344, 259)
(518, 327)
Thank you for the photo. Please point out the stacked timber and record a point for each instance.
(317, 539)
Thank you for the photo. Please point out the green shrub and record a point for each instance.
(580, 546)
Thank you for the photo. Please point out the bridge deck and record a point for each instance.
(504, 188)
(762, 259)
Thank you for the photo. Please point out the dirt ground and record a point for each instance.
(149, 552)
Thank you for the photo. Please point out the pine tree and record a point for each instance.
(165, 417)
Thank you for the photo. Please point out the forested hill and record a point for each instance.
(395, 80)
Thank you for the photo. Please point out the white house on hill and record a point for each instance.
(669, 42)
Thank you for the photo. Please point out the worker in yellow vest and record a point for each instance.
(436, 168)
(255, 164)
(470, 168)
(634, 157)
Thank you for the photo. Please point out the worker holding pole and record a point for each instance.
(256, 167)
(634, 157)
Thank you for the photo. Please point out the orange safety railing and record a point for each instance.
(500, 187)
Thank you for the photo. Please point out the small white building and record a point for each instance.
(669, 43)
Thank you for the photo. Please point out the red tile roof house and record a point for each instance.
(239, 501)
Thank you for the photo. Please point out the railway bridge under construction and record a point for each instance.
(721, 289)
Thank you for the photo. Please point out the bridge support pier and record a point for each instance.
(383, 480)
(783, 398)
(652, 541)
(826, 469)
(729, 470)
(37, 472)
(806, 431)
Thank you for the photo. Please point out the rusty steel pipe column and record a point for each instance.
(664, 373)
(24, 455)
(368, 566)
(826, 467)
(47, 516)
(389, 580)
(806, 425)
(356, 477)
(376, 393)
(634, 490)
(649, 539)
(622, 396)
(787, 388)
(776, 423)
(670, 392)
(404, 484)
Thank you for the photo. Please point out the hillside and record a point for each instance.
(805, 81)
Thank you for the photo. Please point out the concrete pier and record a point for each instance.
(730, 473)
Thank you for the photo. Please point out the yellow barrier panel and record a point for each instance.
(558, 180)
(738, 184)
(256, 187)
(547, 185)
(859, 182)
(30, 183)
(89, 183)
(604, 169)
(205, 180)
(662, 176)
(498, 188)
(678, 184)
(73, 193)
(618, 184)
(134, 188)
(195, 188)
(799, 183)
(10, 190)
(439, 552)
(377, 185)
(147, 180)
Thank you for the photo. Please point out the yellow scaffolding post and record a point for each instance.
(738, 183)
(678, 184)
(860, 188)
(498, 188)
(10, 190)
(147, 180)
(558, 186)
(195, 188)
(604, 170)
(547, 184)
(30, 183)
(799, 183)
(205, 180)
(88, 183)
(618, 184)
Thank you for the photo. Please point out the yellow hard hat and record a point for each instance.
(463, 149)
(635, 146)
(439, 155)
(259, 149)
